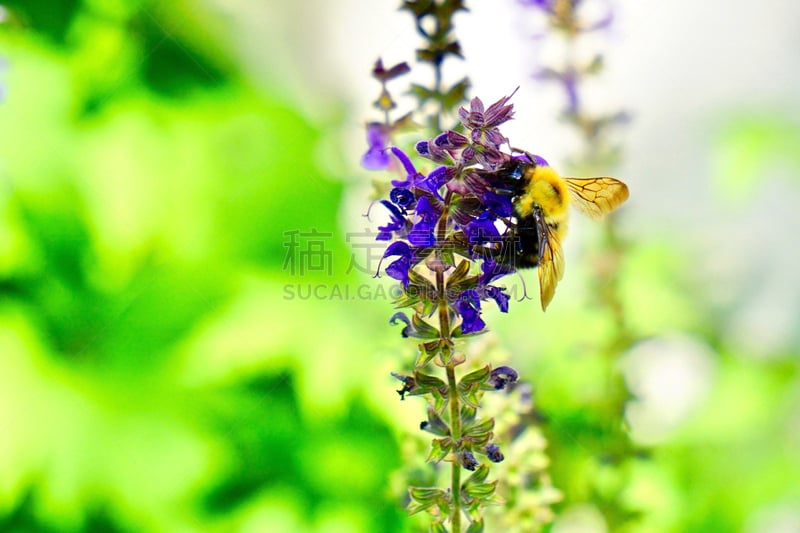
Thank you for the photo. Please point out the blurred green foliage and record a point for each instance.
(754, 146)
(146, 190)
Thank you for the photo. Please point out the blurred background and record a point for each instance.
(190, 335)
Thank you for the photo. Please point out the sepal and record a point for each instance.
(481, 491)
(423, 498)
(476, 526)
(435, 424)
(438, 527)
(439, 450)
(480, 432)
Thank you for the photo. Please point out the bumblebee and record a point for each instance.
(540, 199)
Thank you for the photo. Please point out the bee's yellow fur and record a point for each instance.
(546, 189)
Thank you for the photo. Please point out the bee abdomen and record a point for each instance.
(526, 238)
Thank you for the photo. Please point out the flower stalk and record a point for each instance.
(448, 254)
(455, 427)
(461, 214)
(564, 18)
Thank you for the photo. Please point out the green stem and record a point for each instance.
(385, 110)
(441, 288)
(455, 429)
(444, 334)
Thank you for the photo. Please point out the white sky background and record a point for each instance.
(682, 68)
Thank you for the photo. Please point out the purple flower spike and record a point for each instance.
(472, 119)
(537, 160)
(438, 177)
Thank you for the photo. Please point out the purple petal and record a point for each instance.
(492, 270)
(399, 270)
(502, 376)
(402, 197)
(481, 230)
(398, 248)
(425, 210)
(498, 204)
(404, 160)
(400, 316)
(375, 159)
(499, 112)
(469, 306)
(476, 105)
(500, 297)
(493, 453)
(540, 161)
(422, 234)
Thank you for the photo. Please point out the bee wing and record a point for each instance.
(551, 259)
(596, 197)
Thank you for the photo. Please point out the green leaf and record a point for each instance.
(425, 494)
(429, 382)
(458, 334)
(481, 491)
(438, 527)
(462, 285)
(422, 329)
(468, 414)
(479, 476)
(423, 94)
(475, 527)
(483, 427)
(436, 424)
(448, 257)
(458, 274)
(439, 450)
(447, 352)
(470, 398)
(439, 401)
(476, 376)
(427, 351)
(423, 498)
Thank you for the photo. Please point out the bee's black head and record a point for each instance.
(512, 177)
(514, 171)
(515, 168)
